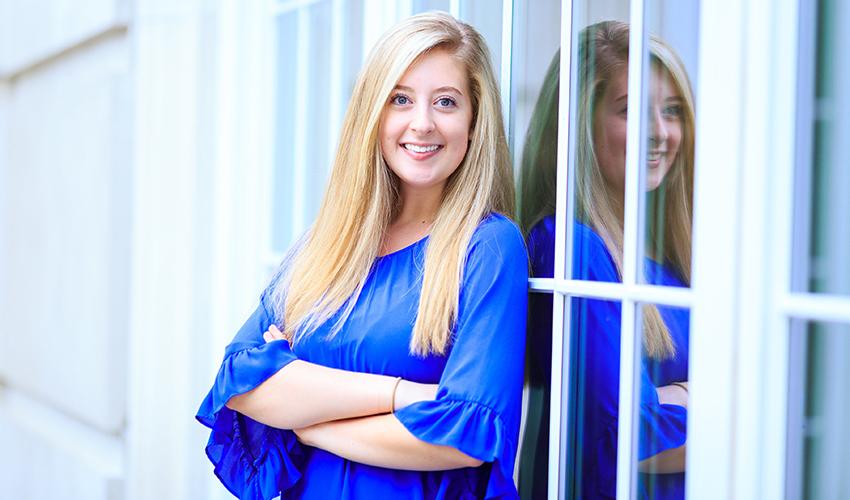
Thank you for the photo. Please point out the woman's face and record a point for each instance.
(664, 132)
(425, 126)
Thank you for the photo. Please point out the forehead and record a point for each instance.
(434, 69)
(661, 83)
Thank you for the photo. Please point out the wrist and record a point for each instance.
(394, 395)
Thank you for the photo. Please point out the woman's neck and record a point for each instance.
(419, 206)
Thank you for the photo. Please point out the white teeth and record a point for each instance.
(421, 149)
(653, 156)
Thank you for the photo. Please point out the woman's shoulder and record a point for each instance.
(498, 229)
(542, 235)
(591, 258)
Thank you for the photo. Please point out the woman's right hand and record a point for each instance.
(409, 392)
(673, 394)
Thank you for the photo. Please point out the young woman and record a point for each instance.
(385, 358)
(598, 256)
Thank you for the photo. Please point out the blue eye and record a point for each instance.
(400, 99)
(674, 110)
(446, 102)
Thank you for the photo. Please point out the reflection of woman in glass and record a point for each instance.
(598, 255)
(384, 360)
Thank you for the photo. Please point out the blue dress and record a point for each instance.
(594, 392)
(478, 404)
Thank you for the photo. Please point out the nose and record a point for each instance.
(658, 131)
(422, 122)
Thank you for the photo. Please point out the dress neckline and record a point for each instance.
(404, 249)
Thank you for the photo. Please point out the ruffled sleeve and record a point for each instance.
(252, 460)
(478, 404)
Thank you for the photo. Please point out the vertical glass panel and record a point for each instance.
(824, 457)
(825, 169)
(302, 155)
(668, 158)
(534, 459)
(536, 35)
(598, 137)
(284, 136)
(662, 394)
(316, 110)
(592, 398)
(486, 17)
(533, 139)
(534, 125)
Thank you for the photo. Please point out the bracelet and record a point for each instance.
(392, 398)
(682, 385)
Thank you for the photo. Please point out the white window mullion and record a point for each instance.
(505, 63)
(630, 331)
(816, 307)
(754, 319)
(780, 178)
(561, 329)
(663, 295)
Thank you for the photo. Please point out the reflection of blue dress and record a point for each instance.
(478, 403)
(596, 369)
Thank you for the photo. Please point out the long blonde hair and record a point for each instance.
(603, 52)
(326, 272)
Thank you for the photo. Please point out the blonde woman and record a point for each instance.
(385, 358)
(598, 256)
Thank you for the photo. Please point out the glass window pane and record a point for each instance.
(284, 139)
(600, 66)
(823, 458)
(827, 227)
(533, 128)
(663, 393)
(486, 17)
(317, 112)
(668, 158)
(533, 141)
(600, 55)
(534, 125)
(309, 109)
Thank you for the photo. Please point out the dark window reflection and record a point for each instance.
(828, 267)
(600, 128)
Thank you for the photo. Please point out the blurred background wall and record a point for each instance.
(66, 211)
(128, 208)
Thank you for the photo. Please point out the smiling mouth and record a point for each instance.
(421, 149)
(655, 156)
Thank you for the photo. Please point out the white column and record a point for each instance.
(202, 152)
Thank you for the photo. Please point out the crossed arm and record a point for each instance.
(347, 414)
(672, 460)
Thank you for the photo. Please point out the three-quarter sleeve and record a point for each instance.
(252, 460)
(479, 399)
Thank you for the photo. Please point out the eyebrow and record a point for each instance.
(441, 89)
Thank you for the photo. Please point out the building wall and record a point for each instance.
(65, 205)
